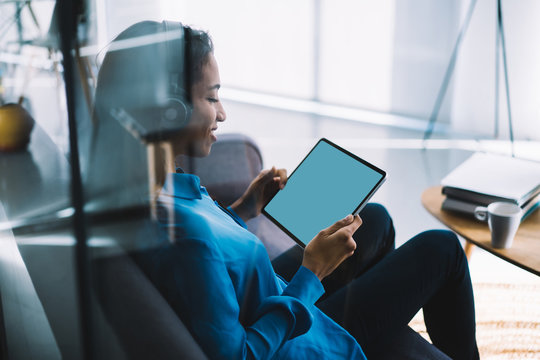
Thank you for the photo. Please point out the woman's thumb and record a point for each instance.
(339, 224)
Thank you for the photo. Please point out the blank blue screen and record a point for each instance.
(326, 187)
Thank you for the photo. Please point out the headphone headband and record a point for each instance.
(178, 57)
(178, 54)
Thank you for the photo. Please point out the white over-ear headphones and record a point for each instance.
(178, 108)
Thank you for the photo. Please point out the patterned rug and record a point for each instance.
(507, 321)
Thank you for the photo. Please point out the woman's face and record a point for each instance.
(198, 137)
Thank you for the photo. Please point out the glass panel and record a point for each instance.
(142, 108)
(94, 272)
(38, 288)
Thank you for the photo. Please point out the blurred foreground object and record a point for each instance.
(16, 124)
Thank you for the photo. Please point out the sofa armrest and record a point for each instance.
(144, 323)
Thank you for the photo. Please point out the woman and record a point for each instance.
(219, 279)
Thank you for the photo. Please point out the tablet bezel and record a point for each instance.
(360, 206)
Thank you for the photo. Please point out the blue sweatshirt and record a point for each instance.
(227, 292)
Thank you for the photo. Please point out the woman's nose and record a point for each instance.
(221, 114)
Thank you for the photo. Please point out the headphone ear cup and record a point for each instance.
(175, 114)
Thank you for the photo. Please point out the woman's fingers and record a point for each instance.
(353, 222)
(281, 176)
(331, 246)
(354, 225)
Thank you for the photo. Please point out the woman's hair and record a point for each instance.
(201, 47)
(134, 71)
(134, 75)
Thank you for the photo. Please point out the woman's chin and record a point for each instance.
(208, 148)
(204, 150)
(200, 148)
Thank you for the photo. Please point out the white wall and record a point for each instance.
(356, 53)
(263, 46)
(388, 55)
(474, 96)
(424, 37)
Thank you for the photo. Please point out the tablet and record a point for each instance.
(329, 184)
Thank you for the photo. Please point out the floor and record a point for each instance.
(285, 137)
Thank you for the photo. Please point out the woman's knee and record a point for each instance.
(376, 222)
(439, 244)
(375, 211)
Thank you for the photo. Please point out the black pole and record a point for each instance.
(68, 32)
(19, 25)
(507, 83)
(449, 72)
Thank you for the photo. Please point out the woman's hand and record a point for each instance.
(331, 246)
(259, 192)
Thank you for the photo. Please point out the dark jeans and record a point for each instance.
(376, 292)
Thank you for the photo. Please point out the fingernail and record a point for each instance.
(349, 217)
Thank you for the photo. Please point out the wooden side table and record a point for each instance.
(525, 250)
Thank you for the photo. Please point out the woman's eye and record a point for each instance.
(213, 100)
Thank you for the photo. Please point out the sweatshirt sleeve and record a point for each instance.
(204, 296)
